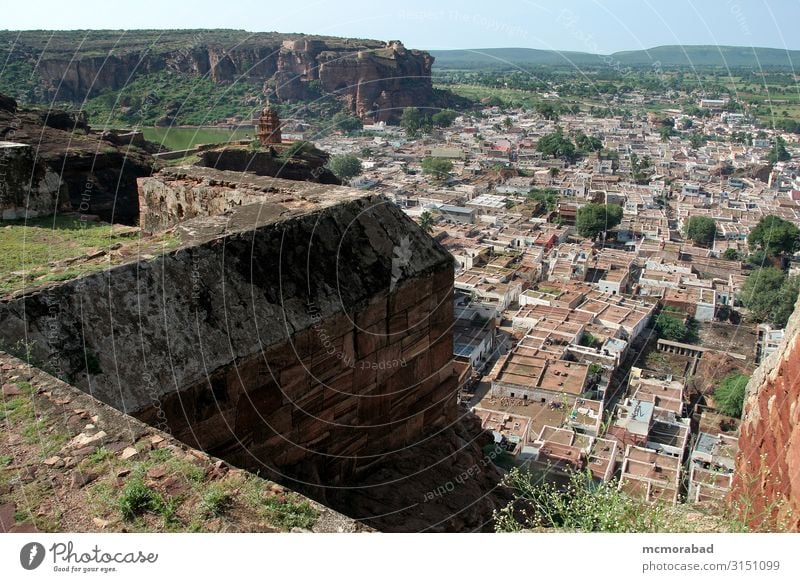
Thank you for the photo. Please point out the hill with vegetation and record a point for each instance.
(166, 77)
(664, 56)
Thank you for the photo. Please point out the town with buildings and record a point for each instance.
(557, 334)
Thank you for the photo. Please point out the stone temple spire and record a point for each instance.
(269, 126)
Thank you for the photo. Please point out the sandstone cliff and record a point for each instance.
(766, 488)
(374, 79)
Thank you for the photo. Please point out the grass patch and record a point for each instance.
(17, 409)
(32, 431)
(29, 248)
(6, 460)
(137, 499)
(100, 455)
(215, 501)
(289, 513)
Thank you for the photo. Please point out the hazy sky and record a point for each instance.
(586, 25)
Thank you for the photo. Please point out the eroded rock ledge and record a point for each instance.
(306, 337)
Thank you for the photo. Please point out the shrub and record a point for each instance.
(729, 395)
(580, 505)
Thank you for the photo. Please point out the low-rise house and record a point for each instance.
(650, 475)
(711, 467)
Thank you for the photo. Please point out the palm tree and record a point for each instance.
(426, 221)
(553, 173)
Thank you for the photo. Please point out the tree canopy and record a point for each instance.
(557, 145)
(546, 110)
(345, 166)
(731, 254)
(426, 221)
(412, 121)
(587, 143)
(778, 152)
(770, 295)
(672, 328)
(641, 168)
(774, 235)
(436, 167)
(596, 218)
(346, 123)
(729, 395)
(444, 118)
(701, 229)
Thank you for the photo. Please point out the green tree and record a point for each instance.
(666, 132)
(641, 168)
(345, 166)
(412, 121)
(701, 229)
(594, 219)
(731, 254)
(729, 395)
(581, 505)
(769, 295)
(545, 196)
(426, 221)
(587, 143)
(697, 140)
(557, 145)
(439, 168)
(546, 110)
(778, 152)
(346, 123)
(774, 235)
(507, 123)
(444, 118)
(671, 328)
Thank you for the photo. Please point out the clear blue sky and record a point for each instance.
(587, 25)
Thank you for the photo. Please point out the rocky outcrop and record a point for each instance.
(766, 487)
(175, 195)
(306, 164)
(374, 79)
(54, 162)
(307, 336)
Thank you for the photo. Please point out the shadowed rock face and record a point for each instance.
(374, 79)
(766, 487)
(307, 337)
(305, 165)
(66, 166)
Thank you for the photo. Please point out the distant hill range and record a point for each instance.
(664, 56)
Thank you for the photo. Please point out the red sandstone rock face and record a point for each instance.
(375, 80)
(766, 489)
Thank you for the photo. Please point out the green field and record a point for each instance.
(182, 138)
